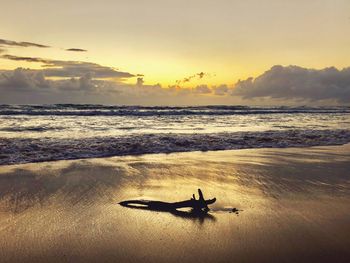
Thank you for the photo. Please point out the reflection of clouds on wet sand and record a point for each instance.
(78, 182)
(294, 202)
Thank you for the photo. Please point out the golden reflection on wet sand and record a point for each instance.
(295, 206)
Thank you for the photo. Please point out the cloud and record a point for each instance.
(32, 86)
(85, 82)
(33, 81)
(199, 75)
(78, 68)
(68, 69)
(139, 82)
(76, 50)
(23, 80)
(11, 43)
(202, 89)
(297, 83)
(4, 42)
(221, 90)
(27, 59)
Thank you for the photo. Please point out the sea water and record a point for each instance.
(32, 133)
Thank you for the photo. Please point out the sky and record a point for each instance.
(159, 52)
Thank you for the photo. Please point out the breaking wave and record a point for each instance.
(101, 110)
(24, 150)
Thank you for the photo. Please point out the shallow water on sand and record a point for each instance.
(295, 206)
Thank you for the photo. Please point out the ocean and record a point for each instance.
(34, 133)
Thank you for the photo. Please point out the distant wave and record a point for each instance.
(24, 150)
(101, 110)
(29, 129)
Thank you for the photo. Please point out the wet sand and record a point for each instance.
(295, 206)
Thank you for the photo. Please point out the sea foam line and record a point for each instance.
(16, 150)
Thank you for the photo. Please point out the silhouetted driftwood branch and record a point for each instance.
(197, 205)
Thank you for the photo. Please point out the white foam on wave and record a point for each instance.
(17, 150)
(102, 110)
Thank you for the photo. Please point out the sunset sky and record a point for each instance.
(175, 52)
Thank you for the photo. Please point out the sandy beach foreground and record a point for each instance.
(295, 202)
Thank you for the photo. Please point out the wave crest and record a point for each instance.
(101, 110)
(19, 150)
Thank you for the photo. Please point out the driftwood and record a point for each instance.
(200, 205)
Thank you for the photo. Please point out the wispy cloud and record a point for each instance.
(4, 42)
(27, 59)
(68, 69)
(76, 50)
(12, 43)
(199, 75)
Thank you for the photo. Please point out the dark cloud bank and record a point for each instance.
(298, 83)
(86, 82)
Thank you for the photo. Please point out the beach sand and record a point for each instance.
(295, 202)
